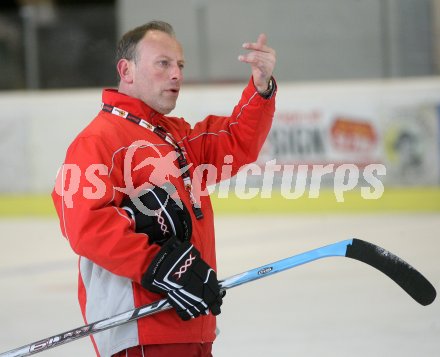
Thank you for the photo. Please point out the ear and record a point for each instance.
(125, 70)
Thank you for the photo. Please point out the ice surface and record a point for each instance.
(331, 307)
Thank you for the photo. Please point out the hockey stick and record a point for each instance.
(409, 279)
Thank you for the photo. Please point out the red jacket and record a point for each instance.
(107, 160)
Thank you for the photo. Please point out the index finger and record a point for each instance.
(262, 39)
(260, 45)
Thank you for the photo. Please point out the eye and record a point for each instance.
(164, 63)
(181, 66)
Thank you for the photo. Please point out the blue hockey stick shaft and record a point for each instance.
(414, 283)
(332, 250)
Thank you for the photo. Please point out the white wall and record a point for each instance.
(37, 127)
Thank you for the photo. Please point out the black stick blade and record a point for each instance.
(408, 278)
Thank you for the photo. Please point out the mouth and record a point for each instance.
(173, 91)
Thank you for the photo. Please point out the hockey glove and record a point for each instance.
(191, 284)
(159, 216)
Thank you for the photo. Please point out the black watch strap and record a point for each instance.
(268, 93)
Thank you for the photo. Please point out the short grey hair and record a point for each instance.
(127, 45)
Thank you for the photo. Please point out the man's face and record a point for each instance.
(157, 71)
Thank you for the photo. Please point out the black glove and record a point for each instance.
(159, 216)
(191, 284)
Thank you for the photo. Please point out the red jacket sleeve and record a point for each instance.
(241, 135)
(87, 204)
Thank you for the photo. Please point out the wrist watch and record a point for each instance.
(270, 89)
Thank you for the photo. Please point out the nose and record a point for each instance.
(176, 73)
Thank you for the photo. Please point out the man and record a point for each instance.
(137, 241)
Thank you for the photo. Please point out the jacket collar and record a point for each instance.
(132, 105)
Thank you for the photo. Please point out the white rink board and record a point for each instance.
(397, 120)
(332, 307)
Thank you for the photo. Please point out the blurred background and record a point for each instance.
(49, 44)
(358, 79)
(358, 85)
